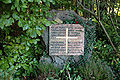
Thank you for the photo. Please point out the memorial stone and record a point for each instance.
(66, 39)
(67, 42)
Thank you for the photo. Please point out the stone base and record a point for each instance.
(59, 61)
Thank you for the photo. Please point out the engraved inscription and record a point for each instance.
(66, 39)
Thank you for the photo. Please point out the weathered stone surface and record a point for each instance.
(45, 37)
(64, 15)
(66, 39)
(60, 60)
(45, 60)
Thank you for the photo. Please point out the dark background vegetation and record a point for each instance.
(23, 21)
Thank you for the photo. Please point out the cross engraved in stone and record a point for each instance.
(67, 37)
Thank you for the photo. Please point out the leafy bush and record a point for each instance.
(95, 69)
(66, 73)
(105, 52)
(21, 25)
(47, 71)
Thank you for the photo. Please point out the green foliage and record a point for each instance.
(64, 4)
(66, 73)
(105, 53)
(21, 24)
(92, 69)
(23, 21)
(113, 31)
(95, 69)
(102, 49)
(108, 13)
(48, 71)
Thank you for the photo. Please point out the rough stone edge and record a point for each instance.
(58, 61)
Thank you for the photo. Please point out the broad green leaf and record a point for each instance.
(53, 22)
(37, 39)
(11, 68)
(27, 48)
(38, 1)
(9, 21)
(18, 40)
(25, 27)
(39, 28)
(28, 43)
(29, 22)
(47, 4)
(23, 1)
(34, 41)
(5, 65)
(44, 0)
(38, 32)
(20, 23)
(6, 1)
(8, 37)
(30, 0)
(0, 52)
(61, 71)
(43, 27)
(78, 78)
(33, 34)
(18, 9)
(1, 25)
(16, 3)
(24, 6)
(15, 16)
(25, 66)
(47, 23)
(6, 16)
(13, 7)
(51, 0)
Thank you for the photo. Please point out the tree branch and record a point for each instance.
(114, 26)
(113, 22)
(96, 17)
(79, 2)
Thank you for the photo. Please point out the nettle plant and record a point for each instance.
(21, 25)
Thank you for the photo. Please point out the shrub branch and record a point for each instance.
(96, 17)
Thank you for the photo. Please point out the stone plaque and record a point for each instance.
(66, 39)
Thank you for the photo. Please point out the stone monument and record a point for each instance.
(65, 42)
(66, 39)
